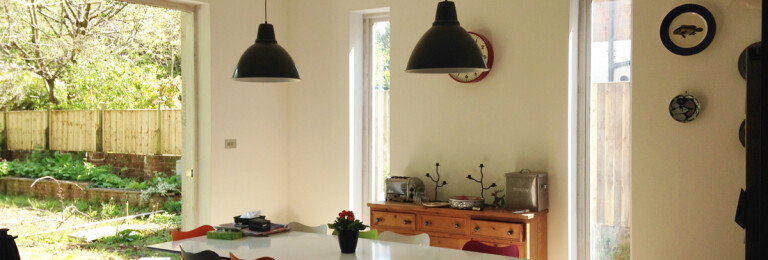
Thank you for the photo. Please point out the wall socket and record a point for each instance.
(230, 143)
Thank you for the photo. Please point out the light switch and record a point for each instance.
(230, 143)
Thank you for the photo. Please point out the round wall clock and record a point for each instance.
(688, 29)
(487, 50)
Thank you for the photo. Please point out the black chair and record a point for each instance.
(8, 249)
(202, 255)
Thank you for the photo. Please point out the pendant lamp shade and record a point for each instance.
(446, 47)
(265, 60)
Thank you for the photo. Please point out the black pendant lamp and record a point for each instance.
(265, 60)
(446, 47)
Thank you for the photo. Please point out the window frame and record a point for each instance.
(584, 95)
(584, 79)
(369, 180)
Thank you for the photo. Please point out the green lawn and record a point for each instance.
(25, 216)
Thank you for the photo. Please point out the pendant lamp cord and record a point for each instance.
(265, 11)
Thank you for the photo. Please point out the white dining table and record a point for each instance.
(300, 245)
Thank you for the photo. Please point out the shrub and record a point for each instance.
(65, 166)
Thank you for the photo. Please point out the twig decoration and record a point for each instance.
(482, 186)
(437, 181)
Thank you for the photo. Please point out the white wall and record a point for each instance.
(292, 156)
(319, 109)
(686, 177)
(514, 119)
(254, 175)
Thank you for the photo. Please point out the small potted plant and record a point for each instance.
(348, 229)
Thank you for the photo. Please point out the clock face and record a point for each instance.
(487, 50)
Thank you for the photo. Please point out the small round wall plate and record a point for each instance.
(688, 29)
(743, 60)
(684, 108)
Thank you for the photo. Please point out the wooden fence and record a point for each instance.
(116, 131)
(610, 156)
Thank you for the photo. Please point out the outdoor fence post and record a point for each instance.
(4, 136)
(158, 141)
(100, 130)
(47, 137)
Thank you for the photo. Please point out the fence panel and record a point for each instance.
(130, 131)
(123, 131)
(170, 132)
(74, 130)
(611, 157)
(26, 129)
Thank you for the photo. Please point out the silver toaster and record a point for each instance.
(527, 191)
(401, 188)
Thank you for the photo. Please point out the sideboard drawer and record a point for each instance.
(396, 220)
(446, 242)
(449, 225)
(499, 230)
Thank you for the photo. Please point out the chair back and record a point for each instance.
(372, 234)
(296, 226)
(202, 255)
(199, 231)
(233, 257)
(420, 239)
(475, 246)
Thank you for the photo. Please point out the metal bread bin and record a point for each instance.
(527, 191)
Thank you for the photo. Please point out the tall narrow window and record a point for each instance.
(376, 109)
(608, 97)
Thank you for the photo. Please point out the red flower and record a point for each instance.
(349, 215)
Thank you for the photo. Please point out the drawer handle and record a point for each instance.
(426, 223)
(509, 233)
(477, 229)
(456, 225)
(406, 222)
(378, 220)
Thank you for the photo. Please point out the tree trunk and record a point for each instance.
(50, 85)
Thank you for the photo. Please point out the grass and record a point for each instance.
(25, 216)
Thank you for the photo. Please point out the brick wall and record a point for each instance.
(135, 165)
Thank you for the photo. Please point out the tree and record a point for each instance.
(122, 57)
(49, 37)
(381, 32)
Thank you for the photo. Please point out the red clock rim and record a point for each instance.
(489, 64)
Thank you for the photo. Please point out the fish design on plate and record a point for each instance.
(684, 30)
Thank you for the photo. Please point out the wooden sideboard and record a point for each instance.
(451, 228)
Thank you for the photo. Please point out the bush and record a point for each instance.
(65, 166)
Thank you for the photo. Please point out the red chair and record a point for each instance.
(475, 246)
(233, 257)
(200, 231)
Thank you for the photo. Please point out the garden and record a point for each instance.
(48, 228)
(102, 77)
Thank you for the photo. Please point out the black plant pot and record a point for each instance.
(348, 240)
(9, 251)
